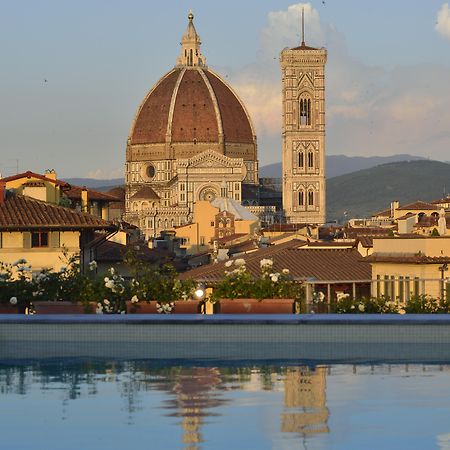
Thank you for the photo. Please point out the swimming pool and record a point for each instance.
(109, 404)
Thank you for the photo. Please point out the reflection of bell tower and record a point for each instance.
(194, 389)
(303, 130)
(305, 401)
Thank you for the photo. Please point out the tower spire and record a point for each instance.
(190, 46)
(303, 27)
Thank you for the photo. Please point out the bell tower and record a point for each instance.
(303, 133)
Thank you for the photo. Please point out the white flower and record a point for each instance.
(99, 309)
(401, 311)
(106, 302)
(112, 271)
(285, 271)
(92, 265)
(239, 262)
(229, 263)
(352, 307)
(106, 279)
(134, 299)
(341, 296)
(361, 307)
(13, 300)
(274, 277)
(110, 284)
(266, 263)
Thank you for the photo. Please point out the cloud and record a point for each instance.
(369, 110)
(443, 21)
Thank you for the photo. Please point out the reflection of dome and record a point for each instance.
(193, 105)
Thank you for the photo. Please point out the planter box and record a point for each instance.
(255, 306)
(11, 309)
(62, 308)
(181, 307)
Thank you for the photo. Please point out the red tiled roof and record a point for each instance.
(30, 174)
(74, 193)
(303, 46)
(384, 213)
(418, 205)
(23, 213)
(367, 231)
(407, 258)
(366, 241)
(302, 262)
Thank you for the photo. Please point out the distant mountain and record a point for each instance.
(340, 164)
(100, 185)
(365, 192)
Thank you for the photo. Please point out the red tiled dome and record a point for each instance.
(191, 104)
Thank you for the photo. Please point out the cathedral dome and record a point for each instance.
(188, 105)
(191, 109)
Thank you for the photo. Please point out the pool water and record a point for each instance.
(93, 404)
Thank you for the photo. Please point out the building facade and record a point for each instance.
(303, 134)
(191, 140)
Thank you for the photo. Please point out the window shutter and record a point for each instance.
(54, 239)
(26, 239)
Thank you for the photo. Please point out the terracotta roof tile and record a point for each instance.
(23, 213)
(236, 125)
(30, 174)
(74, 193)
(418, 205)
(407, 258)
(303, 263)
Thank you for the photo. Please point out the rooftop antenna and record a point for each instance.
(303, 27)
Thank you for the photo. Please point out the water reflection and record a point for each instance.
(192, 401)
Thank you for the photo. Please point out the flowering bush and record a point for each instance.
(15, 283)
(20, 286)
(422, 304)
(152, 283)
(239, 283)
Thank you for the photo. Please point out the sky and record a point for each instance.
(74, 73)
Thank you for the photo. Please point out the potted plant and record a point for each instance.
(62, 292)
(156, 290)
(241, 293)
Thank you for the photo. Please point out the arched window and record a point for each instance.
(305, 111)
(301, 198)
(301, 159)
(310, 198)
(310, 159)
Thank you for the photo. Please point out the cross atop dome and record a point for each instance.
(190, 46)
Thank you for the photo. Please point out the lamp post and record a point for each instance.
(443, 269)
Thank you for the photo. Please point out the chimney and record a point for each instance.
(2, 191)
(84, 199)
(50, 173)
(394, 206)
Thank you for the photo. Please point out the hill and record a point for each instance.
(340, 164)
(367, 191)
(99, 185)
